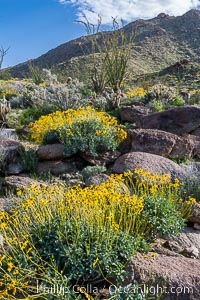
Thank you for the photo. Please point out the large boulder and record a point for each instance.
(160, 142)
(178, 120)
(175, 277)
(10, 156)
(186, 243)
(131, 113)
(148, 162)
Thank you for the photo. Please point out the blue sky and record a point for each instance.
(32, 27)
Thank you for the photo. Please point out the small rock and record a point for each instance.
(8, 133)
(195, 213)
(196, 226)
(173, 246)
(72, 179)
(191, 252)
(104, 158)
(14, 169)
(12, 183)
(96, 180)
(55, 167)
(51, 152)
(186, 239)
(9, 151)
(5, 204)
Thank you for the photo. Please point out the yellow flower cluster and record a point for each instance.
(137, 92)
(193, 92)
(110, 206)
(155, 179)
(57, 119)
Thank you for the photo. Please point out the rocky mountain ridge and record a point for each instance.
(158, 43)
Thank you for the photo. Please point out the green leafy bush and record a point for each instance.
(162, 93)
(178, 101)
(76, 260)
(36, 73)
(29, 160)
(83, 136)
(157, 105)
(92, 171)
(162, 216)
(72, 236)
(33, 113)
(195, 97)
(4, 75)
(83, 129)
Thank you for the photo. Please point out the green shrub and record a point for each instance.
(76, 260)
(163, 217)
(4, 75)
(163, 211)
(67, 236)
(157, 105)
(36, 73)
(70, 236)
(83, 129)
(195, 98)
(33, 113)
(83, 136)
(178, 101)
(161, 92)
(92, 171)
(29, 160)
(191, 187)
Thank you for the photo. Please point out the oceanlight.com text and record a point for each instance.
(145, 289)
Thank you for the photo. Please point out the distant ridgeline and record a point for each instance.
(158, 43)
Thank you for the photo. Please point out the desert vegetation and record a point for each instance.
(92, 177)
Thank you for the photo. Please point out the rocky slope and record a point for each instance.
(158, 43)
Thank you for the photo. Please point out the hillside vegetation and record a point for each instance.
(158, 43)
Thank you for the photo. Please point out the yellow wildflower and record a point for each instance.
(95, 262)
(9, 266)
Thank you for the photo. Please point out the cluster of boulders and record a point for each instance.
(172, 268)
(173, 134)
(172, 128)
(156, 139)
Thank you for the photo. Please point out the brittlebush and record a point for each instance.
(83, 129)
(66, 236)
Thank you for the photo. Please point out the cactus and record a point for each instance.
(4, 109)
(162, 93)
